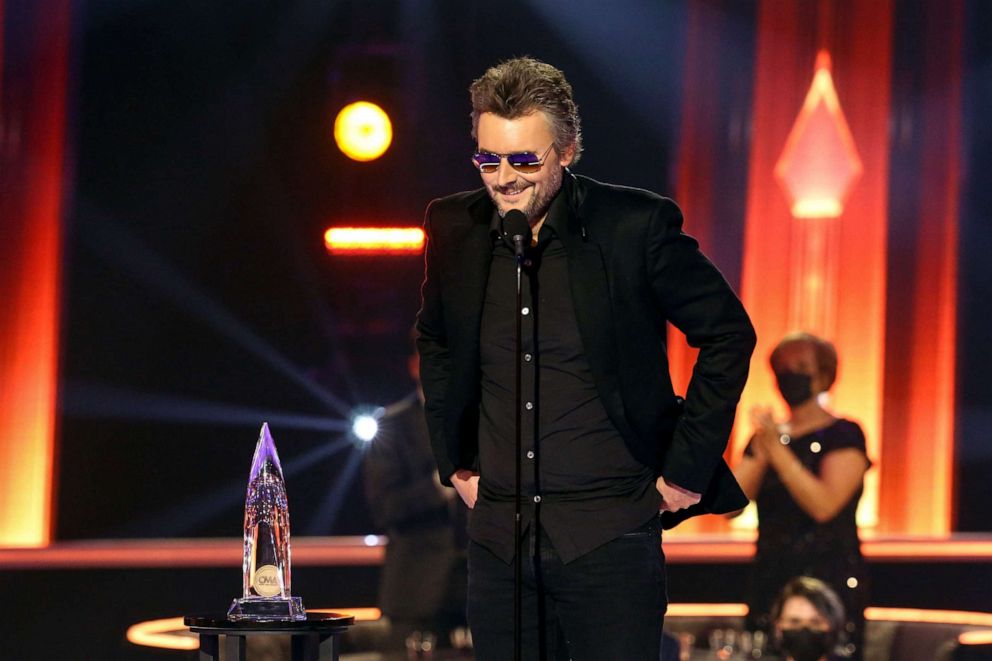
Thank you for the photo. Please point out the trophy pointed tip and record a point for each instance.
(266, 458)
(265, 434)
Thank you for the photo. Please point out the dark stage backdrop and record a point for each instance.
(200, 300)
(974, 415)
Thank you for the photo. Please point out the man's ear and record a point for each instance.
(565, 159)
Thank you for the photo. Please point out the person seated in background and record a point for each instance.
(423, 582)
(809, 621)
(806, 476)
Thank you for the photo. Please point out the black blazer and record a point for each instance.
(631, 270)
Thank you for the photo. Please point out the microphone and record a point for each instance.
(515, 225)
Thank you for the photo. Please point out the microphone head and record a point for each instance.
(515, 224)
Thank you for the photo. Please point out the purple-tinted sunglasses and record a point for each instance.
(525, 162)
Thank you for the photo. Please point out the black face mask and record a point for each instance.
(795, 387)
(805, 644)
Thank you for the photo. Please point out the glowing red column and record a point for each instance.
(32, 113)
(785, 258)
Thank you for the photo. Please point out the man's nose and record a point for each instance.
(505, 174)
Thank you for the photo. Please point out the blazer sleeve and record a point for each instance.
(695, 297)
(435, 357)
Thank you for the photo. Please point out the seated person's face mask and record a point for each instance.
(805, 644)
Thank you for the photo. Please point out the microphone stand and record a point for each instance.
(518, 229)
(518, 249)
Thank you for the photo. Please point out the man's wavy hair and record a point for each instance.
(523, 85)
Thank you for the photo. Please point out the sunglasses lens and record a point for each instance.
(525, 162)
(485, 161)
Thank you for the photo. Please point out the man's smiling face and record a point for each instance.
(530, 193)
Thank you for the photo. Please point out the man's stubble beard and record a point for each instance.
(538, 205)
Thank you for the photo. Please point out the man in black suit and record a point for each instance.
(607, 445)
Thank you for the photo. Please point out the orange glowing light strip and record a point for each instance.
(873, 613)
(966, 618)
(360, 614)
(374, 240)
(914, 550)
(170, 633)
(706, 610)
(739, 547)
(357, 551)
(975, 638)
(307, 551)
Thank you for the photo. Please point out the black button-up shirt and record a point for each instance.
(578, 476)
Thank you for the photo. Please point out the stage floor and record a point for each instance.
(89, 593)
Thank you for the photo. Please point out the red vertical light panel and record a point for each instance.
(854, 245)
(701, 135)
(32, 113)
(695, 190)
(917, 477)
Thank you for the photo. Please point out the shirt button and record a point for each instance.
(530, 454)
(528, 357)
(525, 311)
(537, 499)
(529, 406)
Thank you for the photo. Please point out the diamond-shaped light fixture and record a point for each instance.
(820, 161)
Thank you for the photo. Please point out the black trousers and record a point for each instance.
(607, 605)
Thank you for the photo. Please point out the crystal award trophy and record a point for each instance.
(266, 585)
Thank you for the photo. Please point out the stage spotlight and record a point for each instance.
(363, 131)
(365, 426)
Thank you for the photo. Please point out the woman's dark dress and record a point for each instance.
(791, 543)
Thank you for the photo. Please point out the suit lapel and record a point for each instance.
(590, 296)
(471, 272)
(590, 288)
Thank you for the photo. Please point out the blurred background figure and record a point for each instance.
(806, 476)
(423, 582)
(809, 619)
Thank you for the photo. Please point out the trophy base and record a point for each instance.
(267, 609)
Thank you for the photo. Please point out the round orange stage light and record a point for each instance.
(363, 131)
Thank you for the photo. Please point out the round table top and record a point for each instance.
(315, 622)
